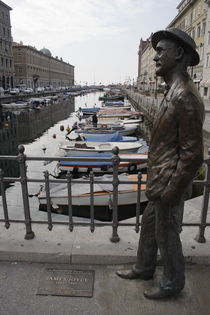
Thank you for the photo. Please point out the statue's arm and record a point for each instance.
(189, 117)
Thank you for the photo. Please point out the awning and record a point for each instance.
(196, 80)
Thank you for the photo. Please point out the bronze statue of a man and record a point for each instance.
(175, 154)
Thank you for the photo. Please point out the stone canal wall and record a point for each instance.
(149, 106)
(31, 124)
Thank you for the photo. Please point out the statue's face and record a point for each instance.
(165, 57)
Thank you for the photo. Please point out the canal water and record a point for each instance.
(48, 140)
(45, 145)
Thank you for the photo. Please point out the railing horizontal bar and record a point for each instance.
(35, 180)
(76, 158)
(96, 223)
(8, 157)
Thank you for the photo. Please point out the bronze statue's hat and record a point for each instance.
(183, 38)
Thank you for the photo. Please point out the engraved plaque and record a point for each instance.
(66, 282)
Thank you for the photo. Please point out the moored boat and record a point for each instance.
(89, 147)
(102, 197)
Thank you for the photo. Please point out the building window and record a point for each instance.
(205, 92)
(193, 33)
(201, 51)
(209, 38)
(204, 28)
(2, 62)
(198, 30)
(193, 14)
(208, 61)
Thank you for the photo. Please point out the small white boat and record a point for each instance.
(103, 197)
(90, 147)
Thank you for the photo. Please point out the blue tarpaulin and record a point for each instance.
(88, 163)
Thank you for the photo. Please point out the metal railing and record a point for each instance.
(24, 180)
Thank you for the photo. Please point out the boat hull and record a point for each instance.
(101, 213)
(102, 198)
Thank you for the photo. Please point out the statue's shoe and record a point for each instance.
(159, 293)
(130, 274)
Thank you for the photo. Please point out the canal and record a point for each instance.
(44, 145)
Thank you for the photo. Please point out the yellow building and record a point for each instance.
(191, 18)
(39, 68)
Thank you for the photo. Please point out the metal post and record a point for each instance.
(92, 225)
(4, 200)
(71, 223)
(47, 190)
(24, 185)
(138, 202)
(200, 238)
(115, 162)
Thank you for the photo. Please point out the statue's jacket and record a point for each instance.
(176, 145)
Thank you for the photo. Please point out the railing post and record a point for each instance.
(200, 238)
(23, 179)
(4, 200)
(115, 162)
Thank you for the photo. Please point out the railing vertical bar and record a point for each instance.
(92, 223)
(24, 185)
(138, 202)
(115, 162)
(48, 199)
(4, 200)
(70, 210)
(200, 237)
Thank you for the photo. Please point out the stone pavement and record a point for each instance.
(111, 294)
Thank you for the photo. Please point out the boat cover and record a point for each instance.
(90, 109)
(114, 103)
(89, 163)
(114, 137)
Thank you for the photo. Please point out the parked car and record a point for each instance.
(14, 91)
(28, 91)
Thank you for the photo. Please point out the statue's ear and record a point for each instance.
(179, 53)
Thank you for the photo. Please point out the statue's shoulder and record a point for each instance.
(185, 91)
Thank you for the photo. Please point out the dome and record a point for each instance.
(46, 51)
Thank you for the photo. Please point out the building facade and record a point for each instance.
(191, 18)
(6, 56)
(205, 83)
(37, 68)
(147, 80)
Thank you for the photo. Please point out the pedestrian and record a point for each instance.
(95, 120)
(175, 154)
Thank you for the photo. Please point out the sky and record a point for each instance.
(99, 37)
